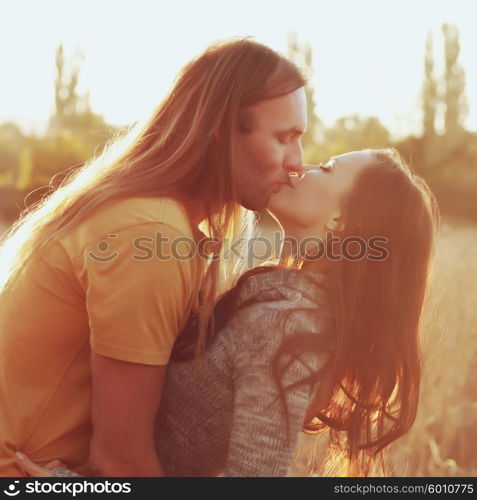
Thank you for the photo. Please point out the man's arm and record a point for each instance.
(124, 404)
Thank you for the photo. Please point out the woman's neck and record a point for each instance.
(292, 247)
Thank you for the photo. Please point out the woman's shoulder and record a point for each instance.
(272, 305)
(286, 299)
(273, 283)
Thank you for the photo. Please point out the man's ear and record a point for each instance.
(334, 222)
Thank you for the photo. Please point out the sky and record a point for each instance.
(368, 54)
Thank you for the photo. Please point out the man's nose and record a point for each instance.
(294, 163)
(296, 169)
(303, 169)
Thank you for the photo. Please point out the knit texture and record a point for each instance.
(224, 416)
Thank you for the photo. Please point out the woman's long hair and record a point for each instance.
(377, 305)
(185, 150)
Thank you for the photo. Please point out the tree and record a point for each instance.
(11, 144)
(68, 103)
(302, 55)
(429, 92)
(429, 150)
(53, 155)
(351, 133)
(73, 113)
(454, 97)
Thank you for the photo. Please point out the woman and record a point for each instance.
(312, 343)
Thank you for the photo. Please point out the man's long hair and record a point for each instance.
(186, 150)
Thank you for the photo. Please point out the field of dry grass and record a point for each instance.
(443, 440)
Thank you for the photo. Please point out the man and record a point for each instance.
(82, 376)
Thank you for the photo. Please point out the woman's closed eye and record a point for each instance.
(319, 167)
(324, 168)
(327, 167)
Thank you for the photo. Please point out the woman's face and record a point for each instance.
(313, 201)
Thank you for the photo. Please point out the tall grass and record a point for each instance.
(443, 440)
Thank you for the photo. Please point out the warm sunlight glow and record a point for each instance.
(368, 55)
(290, 192)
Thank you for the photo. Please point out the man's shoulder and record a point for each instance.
(127, 216)
(133, 211)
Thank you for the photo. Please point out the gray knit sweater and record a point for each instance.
(224, 416)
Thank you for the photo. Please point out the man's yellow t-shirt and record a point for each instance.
(122, 283)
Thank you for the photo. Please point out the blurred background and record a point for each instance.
(381, 73)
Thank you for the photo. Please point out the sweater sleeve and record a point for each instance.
(63, 472)
(259, 444)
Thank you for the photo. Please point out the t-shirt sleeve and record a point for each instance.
(260, 445)
(139, 287)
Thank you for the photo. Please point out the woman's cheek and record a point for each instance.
(317, 203)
